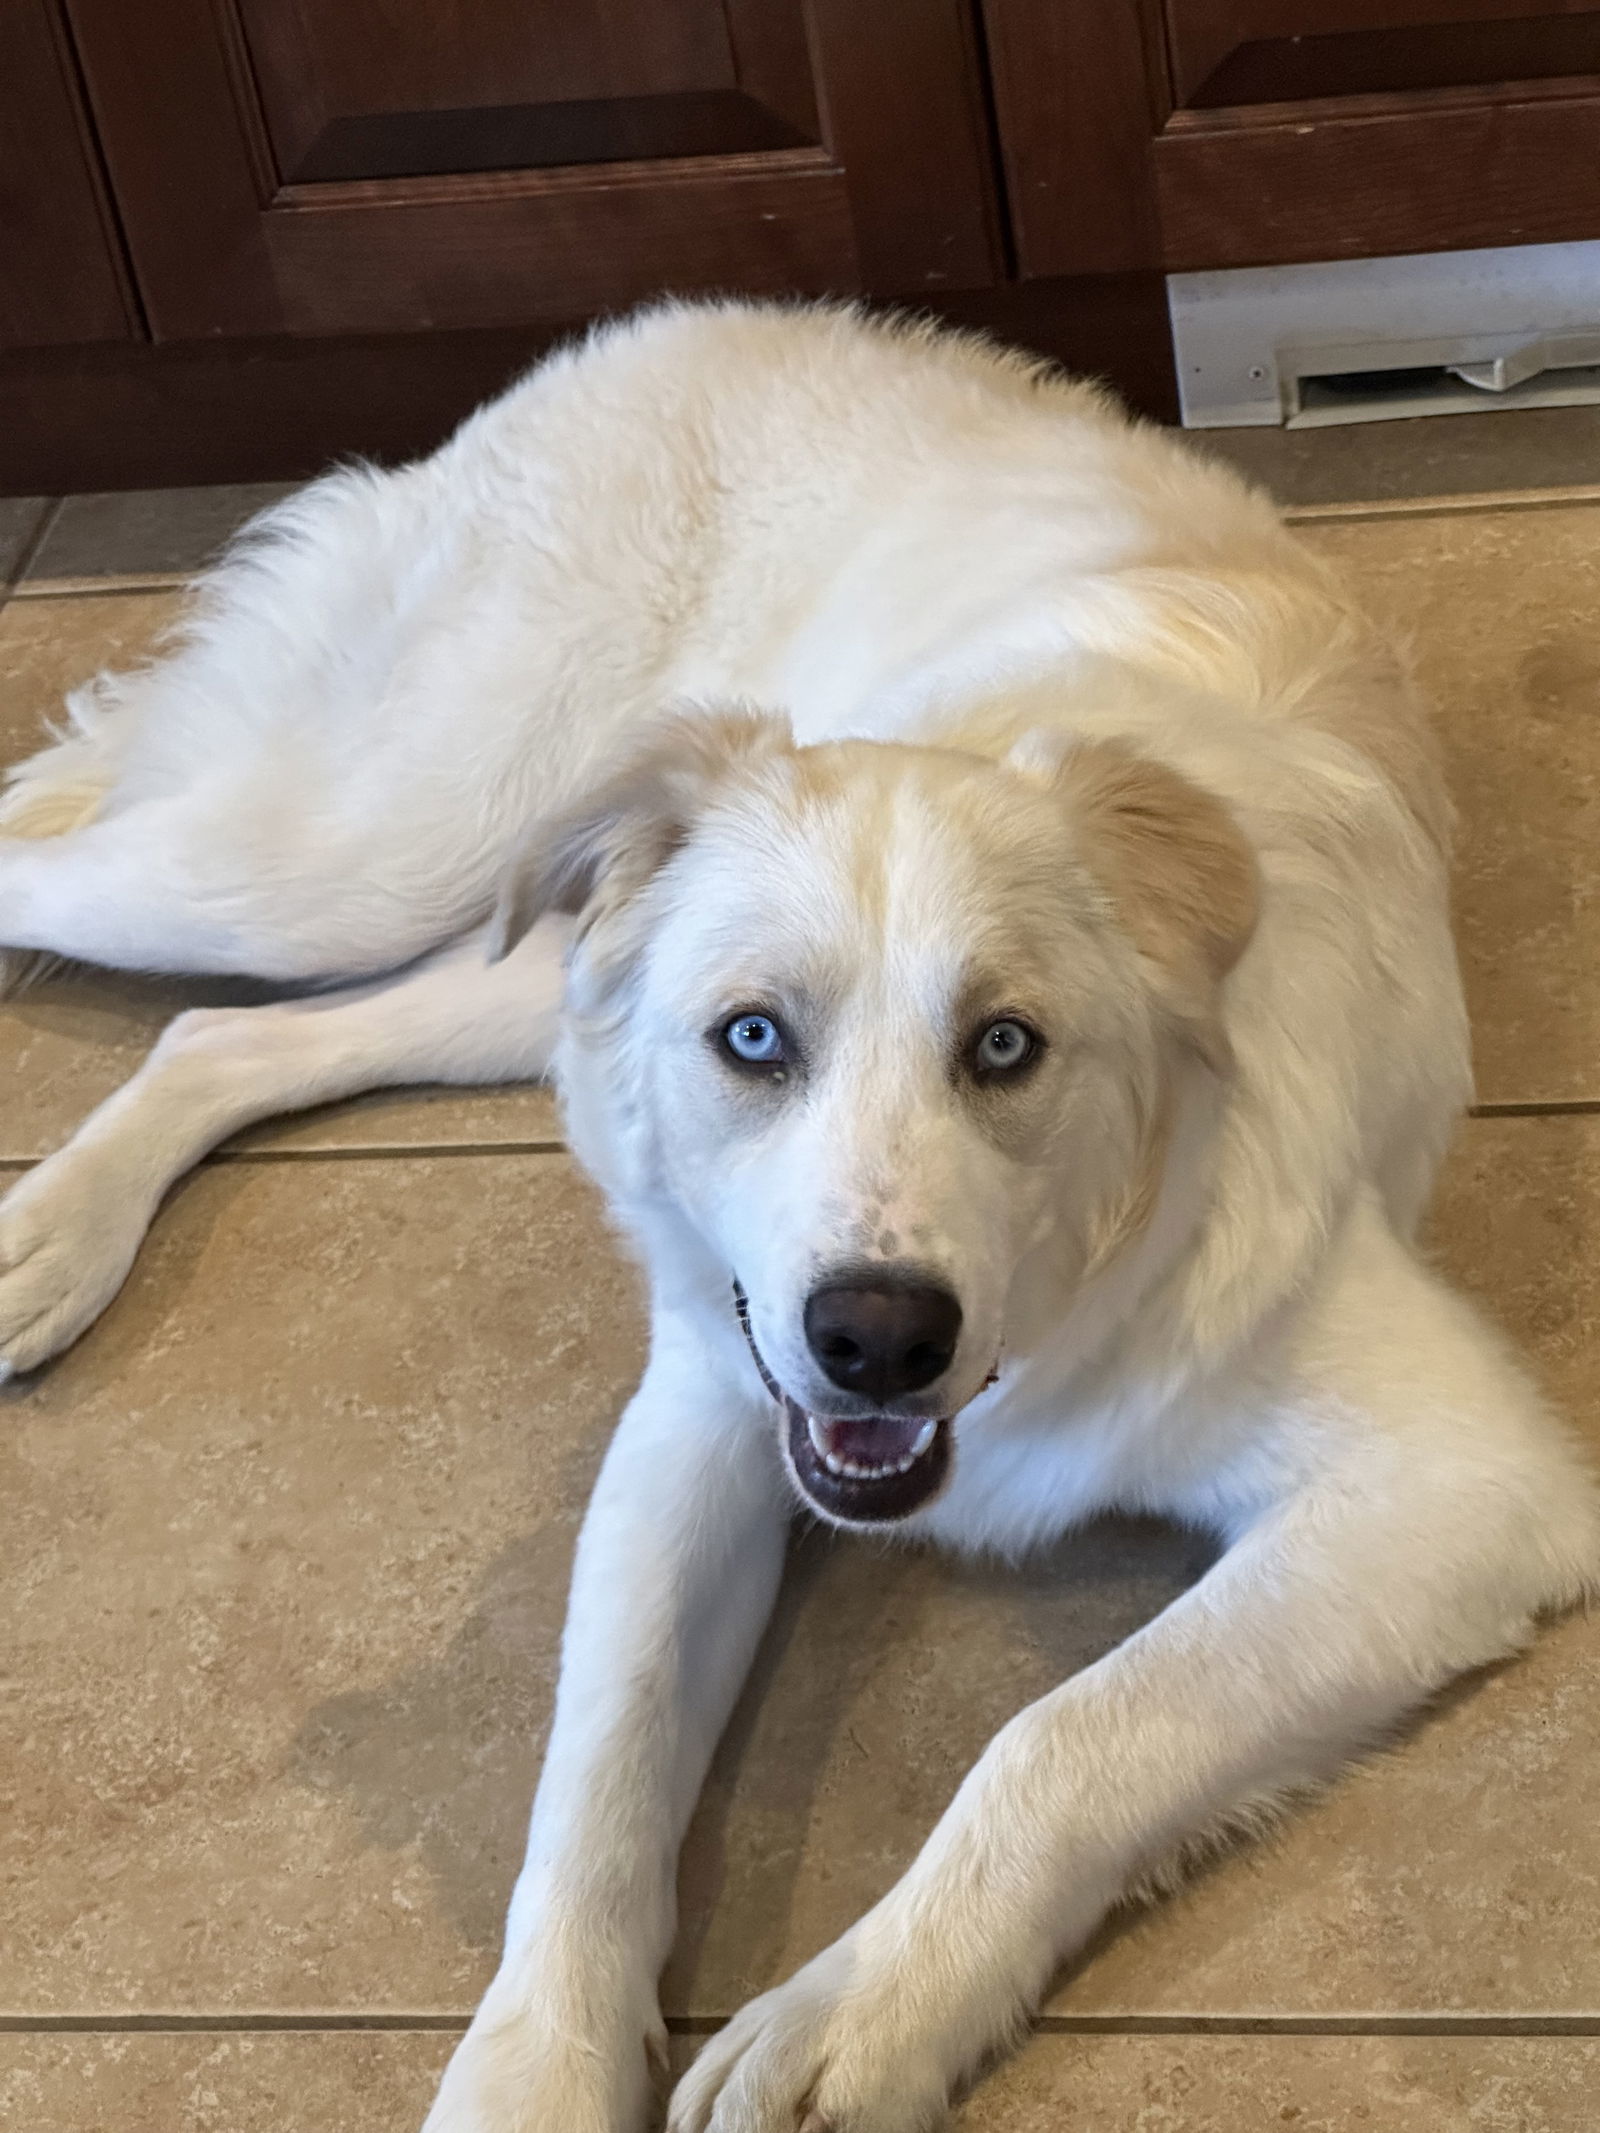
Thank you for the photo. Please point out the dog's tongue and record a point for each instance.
(869, 1472)
(879, 1444)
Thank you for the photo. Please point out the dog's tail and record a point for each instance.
(66, 783)
(61, 788)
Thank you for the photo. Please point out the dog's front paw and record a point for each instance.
(67, 1240)
(832, 2051)
(516, 2071)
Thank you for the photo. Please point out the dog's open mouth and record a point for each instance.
(865, 1470)
(871, 1469)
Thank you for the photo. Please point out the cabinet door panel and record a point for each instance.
(505, 83)
(1362, 182)
(1271, 51)
(60, 270)
(333, 258)
(381, 165)
(1214, 133)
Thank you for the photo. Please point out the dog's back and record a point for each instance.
(867, 524)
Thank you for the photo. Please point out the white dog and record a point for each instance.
(1020, 1048)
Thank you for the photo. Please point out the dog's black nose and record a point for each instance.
(882, 1337)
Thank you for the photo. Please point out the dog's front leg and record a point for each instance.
(676, 1569)
(1336, 1611)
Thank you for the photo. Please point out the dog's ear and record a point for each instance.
(601, 853)
(1177, 868)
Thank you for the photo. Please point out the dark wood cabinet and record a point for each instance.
(239, 235)
(1174, 134)
(381, 166)
(61, 271)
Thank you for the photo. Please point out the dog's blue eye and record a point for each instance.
(756, 1039)
(1002, 1046)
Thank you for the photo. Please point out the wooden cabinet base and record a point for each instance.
(120, 417)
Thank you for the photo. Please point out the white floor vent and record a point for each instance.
(1368, 340)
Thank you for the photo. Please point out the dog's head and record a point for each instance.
(883, 1024)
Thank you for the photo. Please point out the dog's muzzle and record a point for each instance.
(869, 1470)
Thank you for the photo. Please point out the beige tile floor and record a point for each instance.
(286, 1538)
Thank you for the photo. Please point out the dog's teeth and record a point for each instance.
(859, 1470)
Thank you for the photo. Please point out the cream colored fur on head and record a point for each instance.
(885, 902)
(1040, 1008)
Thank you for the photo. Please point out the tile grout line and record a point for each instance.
(244, 2025)
(1368, 2025)
(111, 584)
(384, 1151)
(1200, 2025)
(1538, 1107)
(379, 1152)
(1470, 503)
(435, 1151)
(422, 2022)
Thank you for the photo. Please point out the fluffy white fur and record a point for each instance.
(1058, 718)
